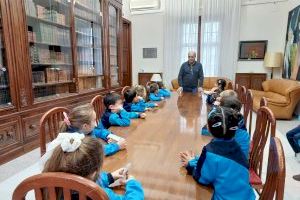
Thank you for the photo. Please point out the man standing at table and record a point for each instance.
(190, 77)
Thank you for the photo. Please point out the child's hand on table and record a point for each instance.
(186, 156)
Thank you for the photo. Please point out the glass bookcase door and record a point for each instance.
(88, 27)
(49, 38)
(5, 98)
(113, 46)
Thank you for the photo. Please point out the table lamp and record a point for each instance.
(156, 78)
(273, 60)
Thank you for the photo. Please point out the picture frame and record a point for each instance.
(252, 50)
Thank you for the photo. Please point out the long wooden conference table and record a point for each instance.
(154, 145)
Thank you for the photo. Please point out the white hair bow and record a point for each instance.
(69, 142)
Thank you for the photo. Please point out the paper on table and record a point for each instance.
(118, 182)
(115, 137)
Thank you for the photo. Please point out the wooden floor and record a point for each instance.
(154, 144)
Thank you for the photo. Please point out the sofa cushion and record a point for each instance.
(277, 99)
(280, 86)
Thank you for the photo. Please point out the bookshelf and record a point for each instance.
(88, 27)
(113, 45)
(5, 98)
(49, 36)
(53, 53)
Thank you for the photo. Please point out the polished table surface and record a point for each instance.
(154, 145)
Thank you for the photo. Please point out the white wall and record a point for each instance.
(147, 32)
(265, 22)
(258, 22)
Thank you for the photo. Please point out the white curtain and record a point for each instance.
(180, 34)
(220, 24)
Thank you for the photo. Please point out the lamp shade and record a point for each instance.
(273, 59)
(156, 78)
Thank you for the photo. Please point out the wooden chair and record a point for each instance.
(124, 90)
(243, 95)
(230, 86)
(49, 125)
(53, 180)
(265, 126)
(275, 179)
(98, 105)
(263, 102)
(248, 108)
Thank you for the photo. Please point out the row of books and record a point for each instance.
(51, 75)
(46, 56)
(53, 90)
(51, 34)
(90, 83)
(3, 78)
(90, 16)
(86, 54)
(50, 15)
(88, 69)
(5, 97)
(91, 4)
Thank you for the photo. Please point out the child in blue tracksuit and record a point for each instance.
(79, 155)
(242, 136)
(82, 119)
(115, 114)
(154, 94)
(163, 91)
(222, 164)
(215, 91)
(134, 103)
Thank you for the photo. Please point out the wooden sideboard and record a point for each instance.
(250, 80)
(145, 77)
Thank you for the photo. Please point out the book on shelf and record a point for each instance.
(51, 75)
(61, 89)
(30, 8)
(38, 77)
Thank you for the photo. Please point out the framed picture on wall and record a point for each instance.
(253, 50)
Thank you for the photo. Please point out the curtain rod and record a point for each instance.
(261, 3)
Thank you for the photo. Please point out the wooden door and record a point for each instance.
(126, 65)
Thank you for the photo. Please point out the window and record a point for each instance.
(210, 42)
(189, 39)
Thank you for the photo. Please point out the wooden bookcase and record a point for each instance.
(53, 53)
(251, 80)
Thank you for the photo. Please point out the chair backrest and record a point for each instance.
(243, 94)
(229, 86)
(263, 102)
(248, 108)
(98, 105)
(175, 84)
(275, 179)
(67, 182)
(124, 90)
(49, 125)
(265, 126)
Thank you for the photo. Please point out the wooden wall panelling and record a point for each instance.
(127, 53)
(21, 52)
(8, 44)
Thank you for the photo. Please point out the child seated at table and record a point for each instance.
(242, 136)
(142, 92)
(214, 93)
(154, 95)
(82, 119)
(83, 156)
(135, 103)
(163, 91)
(222, 163)
(115, 114)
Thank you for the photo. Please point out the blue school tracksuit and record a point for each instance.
(139, 106)
(133, 190)
(155, 97)
(109, 149)
(122, 118)
(223, 165)
(164, 92)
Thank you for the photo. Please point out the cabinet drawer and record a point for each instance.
(31, 126)
(10, 134)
